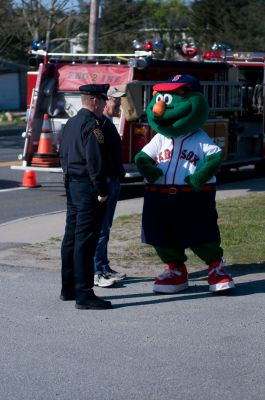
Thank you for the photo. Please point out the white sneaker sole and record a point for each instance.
(221, 286)
(117, 278)
(102, 285)
(170, 288)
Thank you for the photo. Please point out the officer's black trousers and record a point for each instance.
(83, 223)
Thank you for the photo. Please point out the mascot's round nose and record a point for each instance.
(159, 108)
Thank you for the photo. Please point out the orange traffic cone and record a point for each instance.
(29, 179)
(45, 156)
(45, 143)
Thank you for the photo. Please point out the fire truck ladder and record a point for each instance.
(222, 96)
(28, 137)
(91, 56)
(27, 133)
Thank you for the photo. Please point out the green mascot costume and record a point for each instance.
(179, 165)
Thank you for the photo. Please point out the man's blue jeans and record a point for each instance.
(101, 262)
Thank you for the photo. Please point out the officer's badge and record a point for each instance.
(99, 135)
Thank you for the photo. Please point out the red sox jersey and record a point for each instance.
(181, 156)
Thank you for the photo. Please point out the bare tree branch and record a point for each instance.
(42, 17)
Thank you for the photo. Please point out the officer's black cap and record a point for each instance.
(95, 90)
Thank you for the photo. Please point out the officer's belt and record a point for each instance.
(178, 188)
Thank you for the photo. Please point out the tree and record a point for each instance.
(5, 31)
(12, 34)
(122, 21)
(119, 24)
(168, 20)
(37, 12)
(54, 21)
(238, 22)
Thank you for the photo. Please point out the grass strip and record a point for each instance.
(242, 226)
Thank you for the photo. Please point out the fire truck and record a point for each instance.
(232, 82)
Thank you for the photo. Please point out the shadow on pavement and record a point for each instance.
(8, 184)
(245, 269)
(193, 293)
(249, 288)
(199, 291)
(233, 269)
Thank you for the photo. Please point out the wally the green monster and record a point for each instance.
(179, 165)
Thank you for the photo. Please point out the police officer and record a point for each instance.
(83, 160)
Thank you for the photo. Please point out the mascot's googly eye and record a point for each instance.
(167, 98)
(159, 97)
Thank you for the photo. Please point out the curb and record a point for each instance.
(25, 219)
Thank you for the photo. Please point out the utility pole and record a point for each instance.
(93, 27)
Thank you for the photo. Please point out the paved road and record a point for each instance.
(190, 346)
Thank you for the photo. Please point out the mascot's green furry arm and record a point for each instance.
(209, 169)
(147, 168)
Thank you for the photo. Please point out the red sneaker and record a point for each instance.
(172, 280)
(218, 279)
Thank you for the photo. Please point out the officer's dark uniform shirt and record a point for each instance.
(83, 150)
(115, 167)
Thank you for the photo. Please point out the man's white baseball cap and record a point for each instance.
(115, 92)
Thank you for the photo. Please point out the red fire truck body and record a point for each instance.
(233, 85)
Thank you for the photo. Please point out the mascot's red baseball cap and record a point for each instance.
(177, 82)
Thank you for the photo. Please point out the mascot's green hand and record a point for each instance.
(206, 172)
(193, 182)
(146, 167)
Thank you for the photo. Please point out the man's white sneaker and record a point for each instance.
(103, 281)
(116, 276)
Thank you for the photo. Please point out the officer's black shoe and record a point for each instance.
(67, 296)
(92, 302)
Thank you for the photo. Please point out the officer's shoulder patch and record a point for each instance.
(99, 135)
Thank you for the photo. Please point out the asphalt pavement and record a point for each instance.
(190, 346)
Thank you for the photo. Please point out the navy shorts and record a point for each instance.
(183, 219)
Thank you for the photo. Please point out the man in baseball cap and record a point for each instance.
(115, 92)
(112, 108)
(104, 275)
